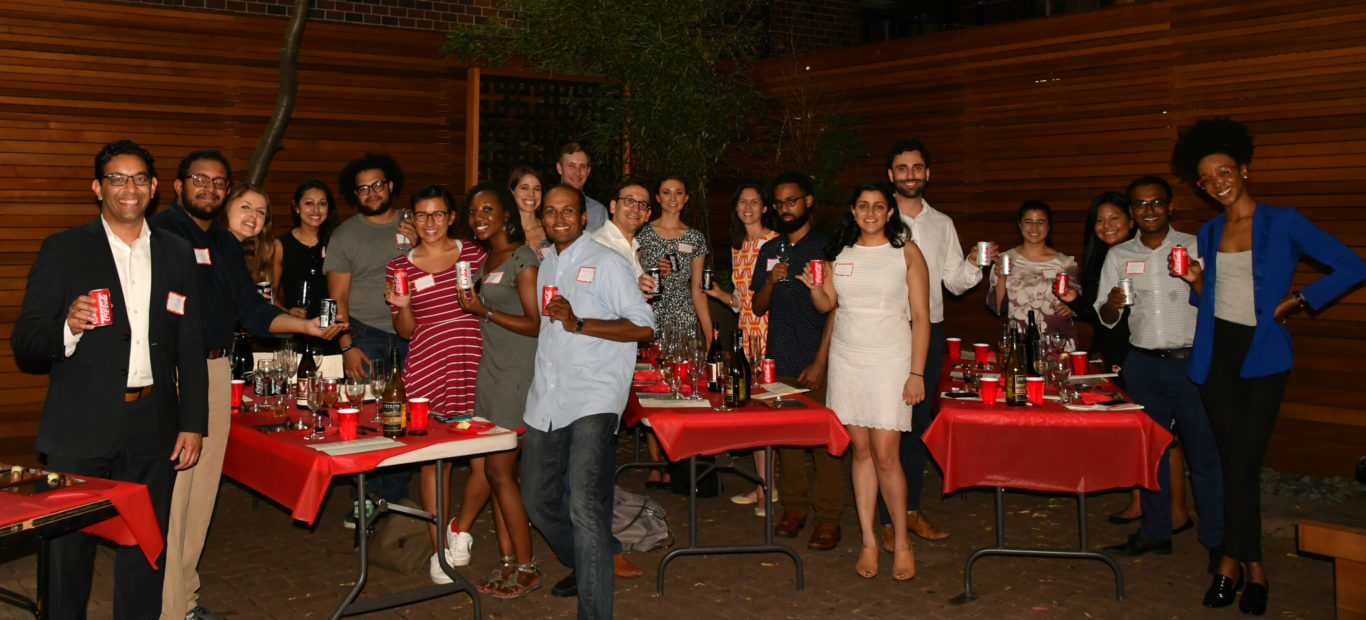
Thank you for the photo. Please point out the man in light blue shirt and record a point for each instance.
(583, 377)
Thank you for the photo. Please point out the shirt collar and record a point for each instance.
(143, 235)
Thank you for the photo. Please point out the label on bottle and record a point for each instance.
(714, 372)
(391, 417)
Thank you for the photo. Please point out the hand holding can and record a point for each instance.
(1179, 262)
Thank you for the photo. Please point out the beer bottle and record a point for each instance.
(1015, 374)
(741, 373)
(394, 411)
(716, 360)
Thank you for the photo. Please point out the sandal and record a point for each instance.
(514, 586)
(903, 567)
(499, 577)
(867, 563)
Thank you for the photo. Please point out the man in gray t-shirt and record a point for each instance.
(363, 249)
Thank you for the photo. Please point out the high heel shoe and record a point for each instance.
(1253, 601)
(1223, 590)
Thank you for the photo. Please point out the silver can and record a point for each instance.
(1127, 285)
(983, 253)
(463, 278)
(1006, 264)
(327, 314)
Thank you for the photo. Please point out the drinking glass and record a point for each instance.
(1003, 347)
(316, 392)
(355, 392)
(284, 354)
(1061, 367)
(756, 356)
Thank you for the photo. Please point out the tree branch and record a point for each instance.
(284, 99)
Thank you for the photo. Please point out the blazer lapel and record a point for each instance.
(105, 273)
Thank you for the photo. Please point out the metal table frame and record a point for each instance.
(43, 530)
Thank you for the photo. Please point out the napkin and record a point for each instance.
(646, 375)
(774, 390)
(657, 387)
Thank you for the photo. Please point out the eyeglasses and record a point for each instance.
(438, 217)
(202, 181)
(377, 186)
(119, 179)
(1221, 174)
(632, 203)
(789, 202)
(1156, 203)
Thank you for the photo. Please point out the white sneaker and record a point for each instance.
(458, 546)
(439, 576)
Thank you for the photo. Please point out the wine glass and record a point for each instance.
(756, 356)
(1061, 367)
(355, 392)
(377, 381)
(284, 354)
(316, 393)
(331, 393)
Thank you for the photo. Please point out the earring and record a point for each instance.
(507, 226)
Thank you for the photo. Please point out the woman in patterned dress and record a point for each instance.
(1034, 265)
(444, 342)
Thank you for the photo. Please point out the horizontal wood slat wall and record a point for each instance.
(78, 75)
(1061, 109)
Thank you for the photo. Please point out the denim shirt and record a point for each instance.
(579, 375)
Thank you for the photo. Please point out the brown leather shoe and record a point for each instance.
(826, 536)
(916, 522)
(624, 569)
(790, 524)
(888, 539)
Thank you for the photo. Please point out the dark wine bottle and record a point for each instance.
(1031, 343)
(741, 374)
(716, 360)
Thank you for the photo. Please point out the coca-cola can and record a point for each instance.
(327, 313)
(1127, 285)
(707, 280)
(675, 261)
(1181, 261)
(104, 307)
(401, 282)
(658, 277)
(263, 288)
(1060, 285)
(769, 371)
(547, 293)
(1006, 264)
(463, 278)
(818, 272)
(983, 253)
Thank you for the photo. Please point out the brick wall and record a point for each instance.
(801, 26)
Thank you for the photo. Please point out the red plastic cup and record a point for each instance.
(348, 420)
(955, 347)
(990, 387)
(417, 416)
(982, 351)
(1034, 389)
(238, 386)
(1079, 362)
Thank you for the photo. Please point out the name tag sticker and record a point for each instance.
(1050, 274)
(685, 248)
(423, 283)
(771, 263)
(844, 269)
(201, 256)
(1135, 267)
(175, 302)
(586, 274)
(493, 278)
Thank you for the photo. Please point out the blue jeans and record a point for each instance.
(390, 484)
(1168, 396)
(569, 462)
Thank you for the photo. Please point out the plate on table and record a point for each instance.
(475, 427)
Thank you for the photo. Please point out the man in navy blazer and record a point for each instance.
(113, 409)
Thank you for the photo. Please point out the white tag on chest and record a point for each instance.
(493, 278)
(424, 283)
(844, 269)
(685, 248)
(1135, 267)
(175, 303)
(586, 274)
(201, 256)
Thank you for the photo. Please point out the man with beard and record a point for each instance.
(229, 297)
(357, 254)
(908, 169)
(574, 167)
(799, 343)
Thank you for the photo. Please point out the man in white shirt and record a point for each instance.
(574, 166)
(908, 169)
(630, 211)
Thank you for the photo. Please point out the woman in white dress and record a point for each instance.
(877, 281)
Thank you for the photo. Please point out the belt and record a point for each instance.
(217, 353)
(132, 395)
(1166, 354)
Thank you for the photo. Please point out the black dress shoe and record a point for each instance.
(1254, 599)
(1118, 520)
(1190, 523)
(566, 588)
(1138, 544)
(1222, 591)
(1216, 555)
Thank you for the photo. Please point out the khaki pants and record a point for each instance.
(827, 490)
(192, 501)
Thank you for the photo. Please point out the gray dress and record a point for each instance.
(507, 365)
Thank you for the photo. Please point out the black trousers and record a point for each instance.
(140, 458)
(1242, 412)
(912, 448)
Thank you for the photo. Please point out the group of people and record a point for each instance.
(866, 340)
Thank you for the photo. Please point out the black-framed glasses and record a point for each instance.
(788, 202)
(202, 181)
(438, 217)
(1155, 203)
(377, 186)
(119, 179)
(632, 203)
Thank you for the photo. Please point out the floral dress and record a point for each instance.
(675, 305)
(1030, 287)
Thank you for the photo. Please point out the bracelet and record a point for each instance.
(488, 318)
(1299, 298)
(347, 348)
(916, 374)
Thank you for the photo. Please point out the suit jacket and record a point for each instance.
(86, 387)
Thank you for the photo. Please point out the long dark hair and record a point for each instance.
(1036, 205)
(847, 232)
(512, 218)
(1093, 250)
(330, 223)
(737, 228)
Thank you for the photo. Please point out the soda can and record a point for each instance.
(327, 313)
(706, 280)
(463, 278)
(1060, 285)
(1181, 261)
(658, 277)
(675, 261)
(401, 282)
(1006, 264)
(818, 272)
(264, 289)
(983, 253)
(769, 372)
(104, 307)
(1127, 285)
(547, 293)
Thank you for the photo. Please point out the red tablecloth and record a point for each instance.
(285, 468)
(687, 431)
(135, 523)
(1048, 448)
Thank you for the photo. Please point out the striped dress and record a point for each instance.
(444, 351)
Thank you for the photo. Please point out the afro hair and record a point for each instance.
(1207, 137)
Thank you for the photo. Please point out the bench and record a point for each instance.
(1347, 546)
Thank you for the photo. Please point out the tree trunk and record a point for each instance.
(284, 99)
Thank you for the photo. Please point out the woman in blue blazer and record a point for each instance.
(1242, 355)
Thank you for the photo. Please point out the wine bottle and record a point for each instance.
(740, 371)
(241, 360)
(1015, 374)
(394, 411)
(716, 360)
(307, 373)
(1031, 346)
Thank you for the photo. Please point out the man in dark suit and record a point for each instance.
(113, 409)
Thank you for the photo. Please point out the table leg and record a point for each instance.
(636, 462)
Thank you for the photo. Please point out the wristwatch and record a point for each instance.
(578, 326)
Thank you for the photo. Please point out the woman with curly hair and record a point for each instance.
(1241, 355)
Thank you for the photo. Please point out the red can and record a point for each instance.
(818, 272)
(463, 278)
(1060, 284)
(1181, 261)
(769, 373)
(104, 307)
(547, 293)
(400, 282)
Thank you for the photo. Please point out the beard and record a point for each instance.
(785, 227)
(205, 208)
(909, 193)
(368, 210)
